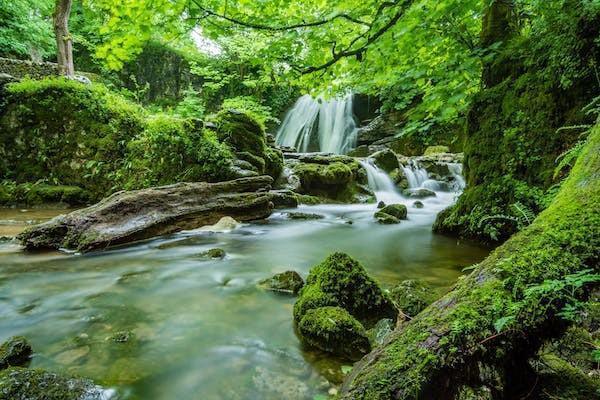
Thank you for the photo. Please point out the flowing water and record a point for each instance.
(319, 125)
(155, 320)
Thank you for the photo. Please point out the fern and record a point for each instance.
(567, 158)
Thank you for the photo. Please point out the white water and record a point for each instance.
(336, 126)
(417, 176)
(380, 183)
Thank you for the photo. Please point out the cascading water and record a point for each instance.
(331, 121)
(380, 182)
(416, 175)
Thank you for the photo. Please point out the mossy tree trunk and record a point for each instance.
(495, 318)
(64, 42)
(497, 27)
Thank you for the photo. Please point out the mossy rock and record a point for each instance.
(343, 282)
(337, 180)
(303, 216)
(418, 204)
(289, 282)
(334, 330)
(420, 193)
(36, 384)
(215, 253)
(15, 352)
(411, 297)
(386, 160)
(391, 214)
(33, 194)
(431, 150)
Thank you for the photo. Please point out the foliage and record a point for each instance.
(192, 105)
(26, 29)
(250, 106)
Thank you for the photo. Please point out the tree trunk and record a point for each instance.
(64, 43)
(483, 332)
(497, 27)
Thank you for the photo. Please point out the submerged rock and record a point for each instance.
(342, 281)
(279, 385)
(418, 193)
(303, 216)
(215, 253)
(286, 282)
(36, 384)
(380, 331)
(334, 330)
(380, 205)
(411, 297)
(391, 214)
(15, 352)
(418, 204)
(129, 216)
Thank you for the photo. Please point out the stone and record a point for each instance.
(279, 385)
(15, 352)
(391, 214)
(436, 150)
(225, 224)
(380, 205)
(334, 330)
(386, 160)
(215, 253)
(418, 204)
(303, 216)
(129, 216)
(288, 282)
(418, 193)
(411, 297)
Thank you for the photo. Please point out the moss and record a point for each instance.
(559, 380)
(437, 349)
(65, 132)
(286, 282)
(338, 181)
(411, 297)
(386, 160)
(391, 214)
(341, 281)
(431, 150)
(36, 384)
(273, 162)
(15, 352)
(173, 149)
(215, 253)
(33, 194)
(334, 330)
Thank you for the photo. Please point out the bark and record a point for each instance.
(459, 340)
(497, 27)
(129, 216)
(64, 42)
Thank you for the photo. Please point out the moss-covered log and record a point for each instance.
(496, 318)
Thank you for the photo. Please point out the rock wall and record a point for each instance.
(20, 69)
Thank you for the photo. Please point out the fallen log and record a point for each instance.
(484, 331)
(130, 216)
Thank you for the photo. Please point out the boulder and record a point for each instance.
(386, 219)
(418, 193)
(411, 297)
(380, 205)
(303, 216)
(36, 384)
(215, 253)
(341, 281)
(436, 150)
(289, 282)
(334, 330)
(397, 210)
(418, 204)
(386, 160)
(130, 216)
(15, 352)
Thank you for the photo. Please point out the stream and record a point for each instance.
(155, 321)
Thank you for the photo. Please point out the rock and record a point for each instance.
(391, 214)
(380, 331)
(386, 160)
(303, 216)
(386, 219)
(129, 216)
(284, 199)
(411, 297)
(15, 352)
(341, 281)
(213, 254)
(380, 205)
(334, 330)
(121, 337)
(280, 386)
(418, 193)
(436, 150)
(225, 224)
(36, 384)
(360, 151)
(289, 282)
(418, 204)
(69, 357)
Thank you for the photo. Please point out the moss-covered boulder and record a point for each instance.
(15, 352)
(212, 254)
(411, 297)
(420, 193)
(342, 281)
(431, 150)
(288, 282)
(245, 135)
(336, 178)
(386, 160)
(391, 214)
(67, 132)
(33, 194)
(35, 384)
(334, 330)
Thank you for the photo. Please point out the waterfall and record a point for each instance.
(456, 170)
(416, 175)
(380, 182)
(335, 128)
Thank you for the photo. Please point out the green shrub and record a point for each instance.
(172, 149)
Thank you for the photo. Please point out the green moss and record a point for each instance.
(215, 253)
(33, 194)
(559, 380)
(341, 281)
(411, 297)
(286, 282)
(334, 330)
(391, 214)
(36, 384)
(66, 133)
(431, 150)
(16, 351)
(335, 180)
(173, 149)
